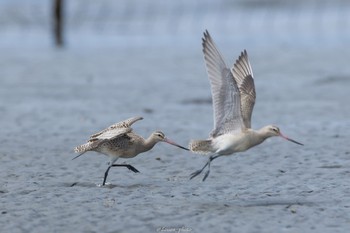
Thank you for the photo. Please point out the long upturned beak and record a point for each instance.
(291, 140)
(174, 144)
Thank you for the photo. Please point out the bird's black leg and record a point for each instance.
(106, 174)
(207, 173)
(196, 173)
(128, 166)
(131, 168)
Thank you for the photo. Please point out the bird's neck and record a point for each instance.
(149, 143)
(260, 136)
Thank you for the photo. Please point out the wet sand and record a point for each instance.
(54, 102)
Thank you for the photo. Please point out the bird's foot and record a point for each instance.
(131, 168)
(206, 175)
(128, 166)
(196, 173)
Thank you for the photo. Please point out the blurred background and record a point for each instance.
(84, 64)
(244, 23)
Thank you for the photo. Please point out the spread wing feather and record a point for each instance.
(243, 74)
(225, 92)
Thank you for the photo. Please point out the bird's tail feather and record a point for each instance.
(200, 146)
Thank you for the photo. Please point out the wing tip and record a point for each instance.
(206, 37)
(242, 56)
(206, 33)
(138, 118)
(242, 65)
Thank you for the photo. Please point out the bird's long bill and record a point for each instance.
(291, 140)
(174, 144)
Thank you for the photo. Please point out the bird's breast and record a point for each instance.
(231, 143)
(119, 148)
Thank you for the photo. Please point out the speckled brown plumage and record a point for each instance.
(119, 141)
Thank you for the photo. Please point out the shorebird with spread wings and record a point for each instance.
(233, 95)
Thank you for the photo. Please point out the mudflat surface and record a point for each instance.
(52, 100)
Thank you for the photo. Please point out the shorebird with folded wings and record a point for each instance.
(119, 141)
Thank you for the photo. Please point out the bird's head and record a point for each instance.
(271, 131)
(159, 136)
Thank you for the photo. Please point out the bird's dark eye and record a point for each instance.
(274, 129)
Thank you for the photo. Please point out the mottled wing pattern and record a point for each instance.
(112, 132)
(225, 92)
(114, 128)
(243, 74)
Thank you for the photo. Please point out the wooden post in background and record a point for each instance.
(58, 22)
